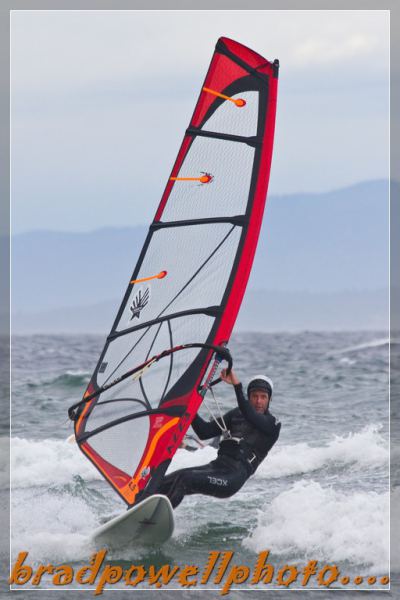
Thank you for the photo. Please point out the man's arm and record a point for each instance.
(205, 429)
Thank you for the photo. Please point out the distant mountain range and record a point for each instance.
(322, 263)
(260, 311)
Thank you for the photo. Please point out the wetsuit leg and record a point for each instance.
(218, 478)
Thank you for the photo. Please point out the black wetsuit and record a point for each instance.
(253, 435)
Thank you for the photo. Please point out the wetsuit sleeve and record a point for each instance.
(205, 429)
(266, 423)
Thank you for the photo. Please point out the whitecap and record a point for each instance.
(47, 462)
(364, 346)
(326, 525)
(365, 448)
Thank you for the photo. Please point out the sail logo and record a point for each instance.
(158, 422)
(139, 302)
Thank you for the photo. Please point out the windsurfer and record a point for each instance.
(251, 431)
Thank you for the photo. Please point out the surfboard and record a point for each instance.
(149, 522)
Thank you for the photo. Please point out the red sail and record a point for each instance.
(189, 280)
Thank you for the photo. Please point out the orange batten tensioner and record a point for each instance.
(160, 275)
(239, 102)
(206, 178)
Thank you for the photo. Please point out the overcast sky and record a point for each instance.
(100, 101)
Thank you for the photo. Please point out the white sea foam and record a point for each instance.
(78, 376)
(347, 361)
(306, 519)
(323, 524)
(77, 373)
(364, 346)
(55, 527)
(365, 448)
(44, 462)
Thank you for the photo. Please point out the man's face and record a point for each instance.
(259, 400)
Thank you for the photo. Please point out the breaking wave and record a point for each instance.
(318, 523)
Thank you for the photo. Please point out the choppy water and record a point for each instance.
(322, 493)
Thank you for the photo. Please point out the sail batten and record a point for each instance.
(185, 291)
(209, 310)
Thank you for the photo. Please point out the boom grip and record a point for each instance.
(224, 354)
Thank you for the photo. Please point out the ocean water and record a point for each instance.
(322, 493)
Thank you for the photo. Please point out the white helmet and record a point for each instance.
(260, 382)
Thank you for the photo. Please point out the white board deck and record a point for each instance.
(150, 522)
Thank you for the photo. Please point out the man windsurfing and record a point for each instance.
(251, 431)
